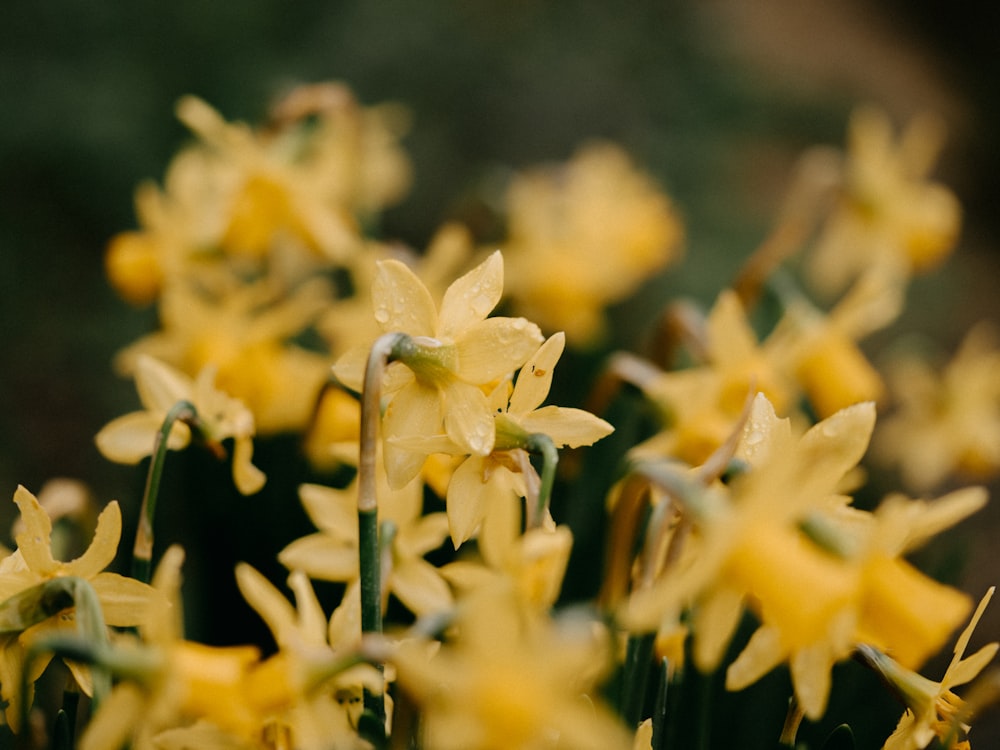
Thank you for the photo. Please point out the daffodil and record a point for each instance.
(245, 334)
(584, 235)
(889, 214)
(123, 600)
(946, 422)
(751, 552)
(323, 709)
(456, 352)
(510, 679)
(933, 710)
(331, 553)
(131, 437)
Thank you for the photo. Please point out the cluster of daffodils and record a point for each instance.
(730, 540)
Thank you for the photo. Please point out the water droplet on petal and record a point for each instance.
(382, 315)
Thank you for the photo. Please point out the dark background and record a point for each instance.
(714, 98)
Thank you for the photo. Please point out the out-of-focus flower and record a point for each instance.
(890, 214)
(246, 336)
(945, 422)
(458, 351)
(331, 554)
(318, 716)
(751, 552)
(933, 710)
(123, 600)
(131, 437)
(511, 679)
(584, 235)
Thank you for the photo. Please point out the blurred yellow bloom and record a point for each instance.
(307, 643)
(890, 214)
(511, 679)
(460, 350)
(123, 600)
(583, 236)
(331, 554)
(946, 422)
(933, 710)
(131, 437)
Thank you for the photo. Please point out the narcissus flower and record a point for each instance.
(933, 709)
(511, 679)
(123, 600)
(457, 351)
(131, 437)
(584, 235)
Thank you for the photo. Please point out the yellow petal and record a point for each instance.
(810, 669)
(247, 477)
(567, 427)
(159, 385)
(273, 608)
(472, 297)
(332, 511)
(35, 541)
(467, 418)
(762, 653)
(535, 378)
(465, 498)
(131, 437)
(493, 348)
(124, 601)
(111, 727)
(401, 301)
(420, 587)
(415, 410)
(102, 550)
(426, 534)
(320, 557)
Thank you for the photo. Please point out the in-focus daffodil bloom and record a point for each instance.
(489, 485)
(331, 554)
(933, 710)
(584, 235)
(123, 600)
(132, 437)
(889, 214)
(511, 679)
(946, 422)
(459, 351)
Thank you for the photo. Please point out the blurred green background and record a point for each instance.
(715, 98)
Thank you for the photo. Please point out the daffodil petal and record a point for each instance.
(274, 609)
(762, 654)
(810, 668)
(467, 418)
(495, 347)
(418, 585)
(426, 534)
(401, 301)
(35, 541)
(566, 426)
(535, 378)
(465, 503)
(971, 666)
(414, 411)
(471, 297)
(112, 725)
(160, 386)
(102, 550)
(124, 601)
(332, 511)
(130, 438)
(318, 558)
(247, 477)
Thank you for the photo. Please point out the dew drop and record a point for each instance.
(382, 315)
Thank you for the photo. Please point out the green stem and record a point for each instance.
(142, 551)
(387, 347)
(543, 445)
(638, 658)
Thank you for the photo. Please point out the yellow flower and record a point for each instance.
(459, 350)
(482, 486)
(890, 214)
(331, 554)
(945, 422)
(511, 679)
(244, 333)
(933, 710)
(123, 600)
(131, 437)
(750, 551)
(307, 644)
(584, 235)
